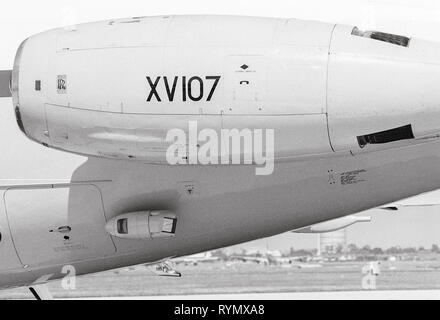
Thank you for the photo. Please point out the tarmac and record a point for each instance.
(335, 295)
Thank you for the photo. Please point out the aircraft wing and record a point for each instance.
(333, 225)
(430, 199)
(5, 78)
(397, 206)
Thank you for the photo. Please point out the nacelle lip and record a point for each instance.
(15, 77)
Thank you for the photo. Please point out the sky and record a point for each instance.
(20, 19)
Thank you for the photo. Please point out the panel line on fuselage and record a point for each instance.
(48, 184)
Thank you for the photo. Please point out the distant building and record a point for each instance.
(332, 242)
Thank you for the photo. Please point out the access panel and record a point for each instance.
(58, 225)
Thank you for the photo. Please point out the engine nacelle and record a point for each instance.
(115, 88)
(143, 225)
(333, 225)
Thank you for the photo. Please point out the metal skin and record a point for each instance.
(321, 172)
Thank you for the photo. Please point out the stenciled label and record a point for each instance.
(182, 88)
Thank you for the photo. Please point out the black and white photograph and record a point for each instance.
(220, 151)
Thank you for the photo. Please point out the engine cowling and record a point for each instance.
(115, 88)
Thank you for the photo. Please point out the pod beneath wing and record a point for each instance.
(143, 225)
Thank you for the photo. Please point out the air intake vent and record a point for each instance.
(397, 134)
(382, 36)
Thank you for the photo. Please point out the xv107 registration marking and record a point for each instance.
(191, 88)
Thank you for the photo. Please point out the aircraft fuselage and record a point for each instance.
(355, 119)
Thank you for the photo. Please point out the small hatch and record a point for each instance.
(382, 36)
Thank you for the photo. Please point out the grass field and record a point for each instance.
(211, 278)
